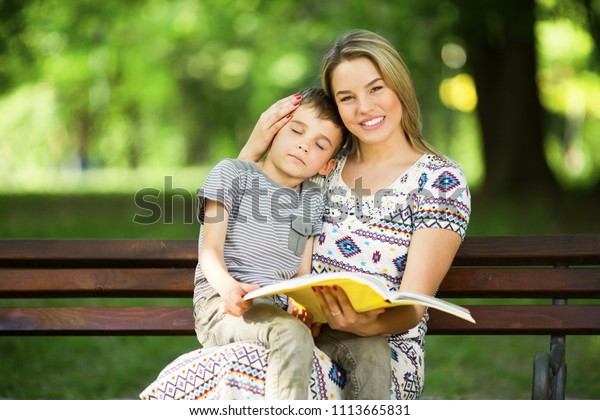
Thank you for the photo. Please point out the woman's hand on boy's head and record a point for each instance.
(267, 126)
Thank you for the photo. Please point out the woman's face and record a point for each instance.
(368, 107)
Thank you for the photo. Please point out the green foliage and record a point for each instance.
(156, 83)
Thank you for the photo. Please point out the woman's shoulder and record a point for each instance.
(439, 162)
(438, 172)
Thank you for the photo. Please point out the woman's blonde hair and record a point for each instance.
(363, 43)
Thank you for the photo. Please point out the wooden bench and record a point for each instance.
(555, 269)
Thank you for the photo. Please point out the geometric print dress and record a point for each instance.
(370, 233)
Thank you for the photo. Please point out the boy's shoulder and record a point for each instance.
(311, 183)
(236, 164)
(230, 168)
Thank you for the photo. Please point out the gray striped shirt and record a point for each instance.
(267, 227)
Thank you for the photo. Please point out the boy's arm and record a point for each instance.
(305, 268)
(306, 262)
(212, 260)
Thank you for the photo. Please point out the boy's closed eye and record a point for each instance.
(322, 144)
(296, 128)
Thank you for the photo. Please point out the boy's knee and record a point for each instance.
(296, 337)
(281, 324)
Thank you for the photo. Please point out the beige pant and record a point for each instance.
(289, 341)
(366, 360)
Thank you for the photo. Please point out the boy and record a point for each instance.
(259, 221)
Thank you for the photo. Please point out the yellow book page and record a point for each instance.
(365, 293)
(362, 297)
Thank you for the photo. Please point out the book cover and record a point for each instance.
(365, 293)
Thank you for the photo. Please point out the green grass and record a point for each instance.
(84, 367)
(457, 367)
(501, 367)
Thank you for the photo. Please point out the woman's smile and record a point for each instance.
(372, 122)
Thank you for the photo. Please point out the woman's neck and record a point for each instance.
(385, 153)
(375, 168)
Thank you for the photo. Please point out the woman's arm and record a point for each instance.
(430, 256)
(213, 263)
(269, 123)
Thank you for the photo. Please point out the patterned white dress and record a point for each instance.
(369, 234)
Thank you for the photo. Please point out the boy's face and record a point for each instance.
(305, 145)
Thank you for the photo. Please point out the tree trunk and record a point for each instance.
(501, 48)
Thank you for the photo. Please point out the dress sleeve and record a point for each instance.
(223, 184)
(443, 200)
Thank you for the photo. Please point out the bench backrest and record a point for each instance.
(514, 272)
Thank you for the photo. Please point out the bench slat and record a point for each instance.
(100, 282)
(521, 320)
(529, 250)
(476, 250)
(155, 320)
(521, 283)
(178, 282)
(98, 253)
(496, 319)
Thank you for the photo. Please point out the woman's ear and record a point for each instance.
(327, 167)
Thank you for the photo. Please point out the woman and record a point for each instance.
(397, 208)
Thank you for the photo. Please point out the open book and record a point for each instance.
(365, 292)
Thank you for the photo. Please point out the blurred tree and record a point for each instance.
(592, 8)
(180, 82)
(15, 58)
(500, 41)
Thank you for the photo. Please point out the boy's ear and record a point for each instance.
(327, 167)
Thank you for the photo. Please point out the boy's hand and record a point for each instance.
(233, 298)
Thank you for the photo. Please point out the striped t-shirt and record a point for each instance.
(268, 224)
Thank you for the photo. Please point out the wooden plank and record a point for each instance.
(100, 282)
(477, 250)
(493, 320)
(530, 250)
(178, 282)
(97, 253)
(521, 320)
(486, 282)
(97, 321)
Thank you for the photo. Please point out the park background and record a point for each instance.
(103, 102)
